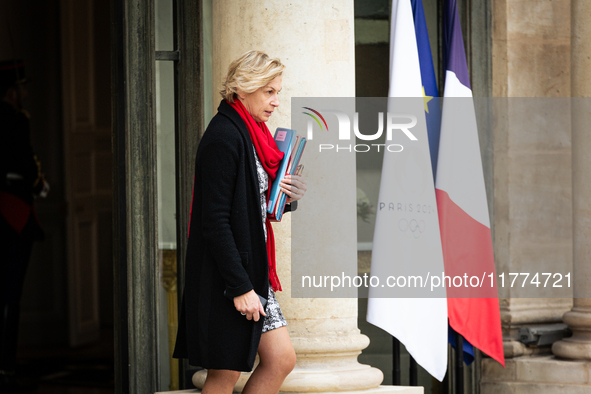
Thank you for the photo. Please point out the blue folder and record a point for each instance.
(285, 139)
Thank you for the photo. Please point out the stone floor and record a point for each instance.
(63, 370)
(56, 389)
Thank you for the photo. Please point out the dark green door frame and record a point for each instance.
(136, 261)
(135, 205)
(189, 89)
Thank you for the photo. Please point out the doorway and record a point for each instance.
(66, 325)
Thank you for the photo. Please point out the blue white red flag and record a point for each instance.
(432, 114)
(462, 203)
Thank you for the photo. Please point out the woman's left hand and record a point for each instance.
(294, 186)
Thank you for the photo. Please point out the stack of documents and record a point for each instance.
(293, 146)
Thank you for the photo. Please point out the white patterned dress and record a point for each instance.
(274, 318)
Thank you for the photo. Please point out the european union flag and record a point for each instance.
(430, 93)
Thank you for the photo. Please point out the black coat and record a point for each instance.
(226, 252)
(17, 158)
(16, 153)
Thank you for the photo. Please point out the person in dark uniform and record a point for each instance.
(20, 181)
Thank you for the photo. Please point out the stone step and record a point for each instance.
(546, 371)
(379, 390)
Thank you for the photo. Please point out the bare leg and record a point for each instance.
(220, 381)
(277, 360)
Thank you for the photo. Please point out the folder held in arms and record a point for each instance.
(293, 146)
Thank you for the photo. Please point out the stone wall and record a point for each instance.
(531, 48)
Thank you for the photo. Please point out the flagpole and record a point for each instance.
(396, 380)
(459, 364)
(440, 69)
(413, 373)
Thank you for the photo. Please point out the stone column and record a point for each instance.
(530, 59)
(579, 318)
(315, 40)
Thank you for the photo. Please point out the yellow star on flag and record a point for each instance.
(426, 99)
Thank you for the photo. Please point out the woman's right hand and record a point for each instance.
(248, 304)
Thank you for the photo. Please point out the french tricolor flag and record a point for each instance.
(462, 204)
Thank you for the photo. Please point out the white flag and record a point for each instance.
(407, 239)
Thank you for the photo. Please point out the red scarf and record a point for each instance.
(270, 157)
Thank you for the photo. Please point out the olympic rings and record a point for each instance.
(413, 229)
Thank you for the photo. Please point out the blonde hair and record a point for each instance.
(251, 71)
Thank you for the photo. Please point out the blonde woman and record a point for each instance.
(230, 264)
